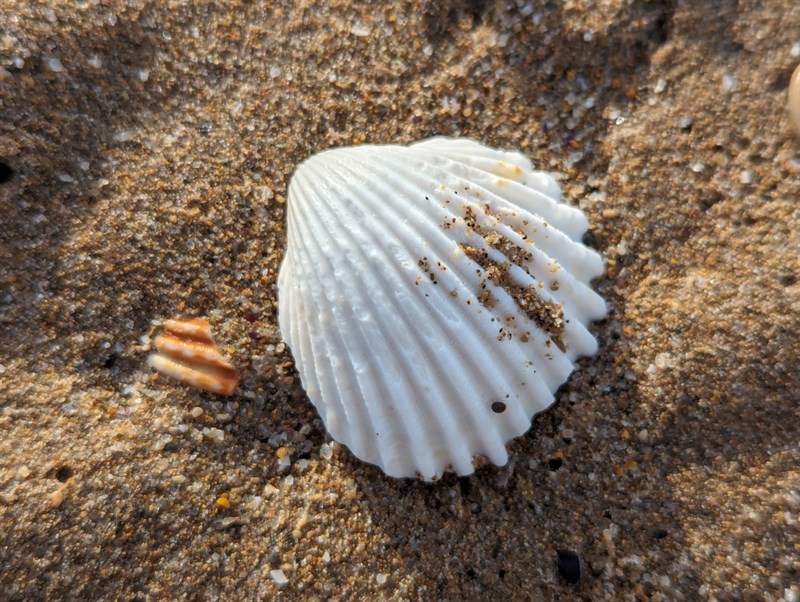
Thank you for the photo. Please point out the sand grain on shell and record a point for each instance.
(145, 155)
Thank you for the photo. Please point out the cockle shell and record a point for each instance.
(187, 352)
(434, 297)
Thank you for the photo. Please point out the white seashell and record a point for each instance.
(434, 297)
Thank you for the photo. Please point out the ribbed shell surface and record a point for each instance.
(434, 297)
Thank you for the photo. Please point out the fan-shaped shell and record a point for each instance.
(434, 297)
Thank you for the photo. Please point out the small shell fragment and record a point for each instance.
(187, 352)
(279, 577)
(794, 100)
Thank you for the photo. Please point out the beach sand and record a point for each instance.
(147, 150)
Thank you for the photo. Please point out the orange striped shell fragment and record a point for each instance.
(187, 352)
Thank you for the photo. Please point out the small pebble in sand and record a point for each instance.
(279, 577)
(55, 65)
(359, 30)
(162, 442)
(57, 498)
(728, 82)
(196, 412)
(223, 502)
(231, 521)
(380, 578)
(300, 526)
(325, 451)
(214, 434)
(794, 100)
(663, 360)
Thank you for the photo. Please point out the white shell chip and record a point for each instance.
(434, 297)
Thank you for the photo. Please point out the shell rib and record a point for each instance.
(434, 297)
